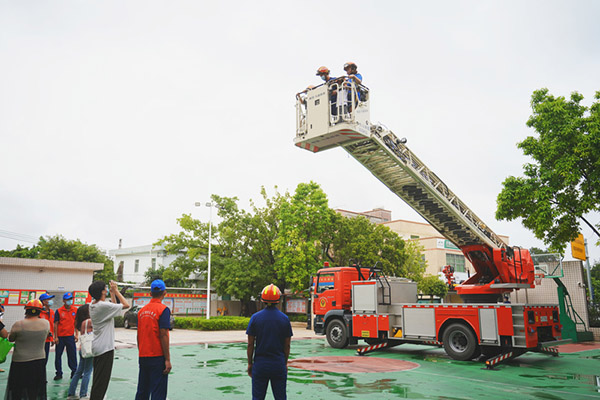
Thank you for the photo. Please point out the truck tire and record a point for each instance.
(337, 334)
(460, 342)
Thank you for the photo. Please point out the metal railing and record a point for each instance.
(344, 97)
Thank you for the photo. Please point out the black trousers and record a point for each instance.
(102, 370)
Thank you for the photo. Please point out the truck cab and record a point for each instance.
(332, 293)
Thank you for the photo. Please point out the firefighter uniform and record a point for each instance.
(153, 317)
(65, 317)
(270, 327)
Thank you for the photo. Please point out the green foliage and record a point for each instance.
(58, 248)
(224, 323)
(433, 286)
(168, 275)
(307, 226)
(360, 241)
(119, 321)
(284, 242)
(21, 252)
(562, 183)
(297, 317)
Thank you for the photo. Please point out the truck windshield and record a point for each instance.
(325, 282)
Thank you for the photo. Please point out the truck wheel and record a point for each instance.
(460, 342)
(126, 324)
(337, 334)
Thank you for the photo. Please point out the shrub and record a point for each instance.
(221, 323)
(297, 317)
(119, 322)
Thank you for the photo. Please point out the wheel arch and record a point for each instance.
(450, 321)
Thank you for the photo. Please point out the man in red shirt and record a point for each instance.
(154, 321)
(48, 314)
(64, 335)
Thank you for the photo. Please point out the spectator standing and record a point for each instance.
(269, 336)
(102, 314)
(48, 314)
(154, 321)
(64, 336)
(27, 375)
(83, 325)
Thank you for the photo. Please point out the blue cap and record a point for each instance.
(46, 296)
(67, 296)
(158, 286)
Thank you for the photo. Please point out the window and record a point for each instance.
(153, 262)
(325, 282)
(457, 261)
(136, 269)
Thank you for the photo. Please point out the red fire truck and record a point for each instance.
(352, 303)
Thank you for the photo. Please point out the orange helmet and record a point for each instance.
(34, 304)
(270, 294)
(351, 65)
(322, 70)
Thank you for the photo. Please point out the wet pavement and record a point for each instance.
(218, 371)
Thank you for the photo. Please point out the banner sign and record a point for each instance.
(296, 306)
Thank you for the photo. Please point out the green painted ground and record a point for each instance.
(219, 372)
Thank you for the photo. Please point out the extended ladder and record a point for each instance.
(404, 174)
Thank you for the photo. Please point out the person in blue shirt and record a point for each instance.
(352, 75)
(269, 337)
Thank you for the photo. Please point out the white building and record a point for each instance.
(131, 263)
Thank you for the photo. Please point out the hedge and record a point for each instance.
(221, 323)
(297, 317)
(119, 322)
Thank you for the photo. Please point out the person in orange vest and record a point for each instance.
(154, 321)
(48, 314)
(64, 328)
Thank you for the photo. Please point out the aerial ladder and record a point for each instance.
(337, 115)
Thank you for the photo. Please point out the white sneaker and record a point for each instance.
(75, 397)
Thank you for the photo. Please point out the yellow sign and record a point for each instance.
(578, 248)
(323, 302)
(365, 333)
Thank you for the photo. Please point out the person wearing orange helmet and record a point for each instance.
(324, 73)
(27, 375)
(269, 337)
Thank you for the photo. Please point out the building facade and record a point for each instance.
(24, 279)
(131, 263)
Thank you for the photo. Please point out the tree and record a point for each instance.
(432, 286)
(306, 230)
(58, 248)
(562, 184)
(360, 241)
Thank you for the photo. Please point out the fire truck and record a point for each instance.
(356, 302)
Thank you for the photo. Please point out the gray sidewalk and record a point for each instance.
(125, 338)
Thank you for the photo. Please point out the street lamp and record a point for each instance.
(210, 206)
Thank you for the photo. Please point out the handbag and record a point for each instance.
(5, 347)
(86, 342)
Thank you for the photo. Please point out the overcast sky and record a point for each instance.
(117, 116)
